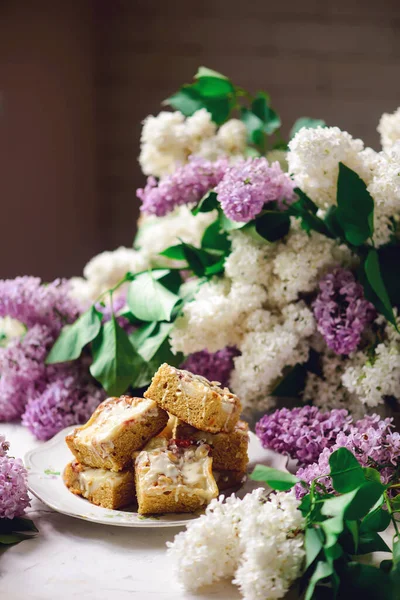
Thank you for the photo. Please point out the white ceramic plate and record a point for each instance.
(47, 462)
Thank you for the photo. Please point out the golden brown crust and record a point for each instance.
(228, 450)
(108, 493)
(116, 453)
(194, 399)
(171, 492)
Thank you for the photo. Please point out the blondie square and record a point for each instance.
(228, 450)
(117, 428)
(194, 399)
(101, 487)
(174, 478)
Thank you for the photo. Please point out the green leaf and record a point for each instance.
(23, 524)
(355, 504)
(150, 345)
(353, 528)
(374, 278)
(292, 384)
(332, 528)
(219, 108)
(269, 118)
(371, 541)
(150, 300)
(187, 100)
(364, 581)
(114, 359)
(272, 225)
(395, 503)
(229, 225)
(199, 259)
(73, 338)
(355, 207)
(371, 474)
(322, 571)
(305, 209)
(277, 480)
(140, 335)
(215, 239)
(307, 122)
(332, 223)
(206, 72)
(174, 252)
(376, 520)
(389, 259)
(346, 472)
(254, 125)
(208, 203)
(210, 86)
(9, 539)
(313, 541)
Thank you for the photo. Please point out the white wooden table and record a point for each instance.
(71, 558)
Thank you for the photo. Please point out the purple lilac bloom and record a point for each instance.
(68, 399)
(22, 370)
(249, 184)
(215, 366)
(371, 440)
(302, 433)
(187, 185)
(13, 486)
(341, 311)
(33, 303)
(4, 446)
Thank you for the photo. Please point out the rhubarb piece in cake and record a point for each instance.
(101, 487)
(194, 399)
(228, 450)
(117, 428)
(175, 478)
(226, 480)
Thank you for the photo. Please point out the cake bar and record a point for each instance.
(228, 450)
(176, 477)
(117, 428)
(101, 487)
(194, 399)
(226, 480)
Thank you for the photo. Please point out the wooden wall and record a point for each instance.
(79, 78)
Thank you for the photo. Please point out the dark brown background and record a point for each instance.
(77, 78)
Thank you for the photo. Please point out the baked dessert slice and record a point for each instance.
(117, 428)
(174, 478)
(226, 480)
(194, 399)
(104, 488)
(228, 450)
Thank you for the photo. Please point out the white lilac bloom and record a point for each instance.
(314, 156)
(389, 129)
(214, 318)
(385, 190)
(273, 548)
(104, 270)
(272, 343)
(258, 541)
(158, 233)
(169, 138)
(10, 329)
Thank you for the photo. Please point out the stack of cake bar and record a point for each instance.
(174, 449)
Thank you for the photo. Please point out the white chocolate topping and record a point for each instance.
(90, 480)
(108, 421)
(164, 471)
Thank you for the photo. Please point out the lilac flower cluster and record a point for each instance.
(33, 303)
(341, 311)
(215, 366)
(13, 484)
(302, 433)
(69, 398)
(187, 185)
(48, 397)
(372, 441)
(248, 185)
